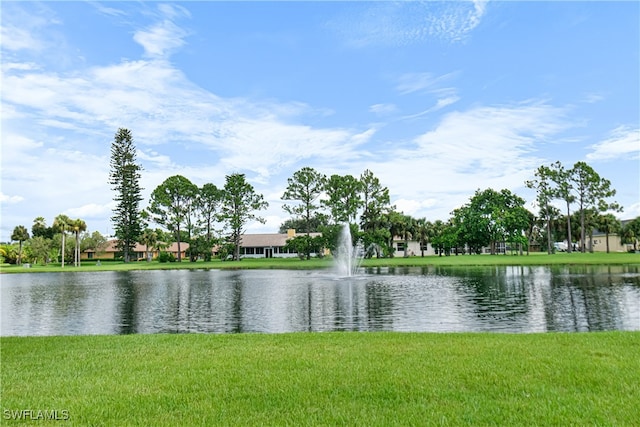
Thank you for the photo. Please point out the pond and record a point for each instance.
(434, 299)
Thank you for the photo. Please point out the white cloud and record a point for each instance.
(91, 210)
(383, 109)
(109, 11)
(19, 38)
(425, 82)
(152, 156)
(403, 23)
(161, 39)
(624, 142)
(414, 207)
(632, 211)
(4, 198)
(164, 37)
(440, 104)
(484, 147)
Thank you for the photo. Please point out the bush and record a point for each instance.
(166, 257)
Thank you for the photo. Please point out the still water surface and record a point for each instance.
(434, 299)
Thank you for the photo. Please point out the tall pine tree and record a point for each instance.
(124, 176)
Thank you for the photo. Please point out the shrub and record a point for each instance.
(166, 257)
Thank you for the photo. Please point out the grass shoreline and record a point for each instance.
(534, 259)
(344, 378)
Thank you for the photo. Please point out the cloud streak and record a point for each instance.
(403, 23)
(624, 142)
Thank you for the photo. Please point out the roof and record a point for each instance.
(265, 240)
(111, 247)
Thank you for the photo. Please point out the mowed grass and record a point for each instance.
(327, 262)
(380, 379)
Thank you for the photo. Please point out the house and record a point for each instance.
(139, 252)
(269, 245)
(413, 247)
(599, 242)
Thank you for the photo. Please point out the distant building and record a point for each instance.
(269, 245)
(139, 252)
(600, 242)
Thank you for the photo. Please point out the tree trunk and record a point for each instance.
(569, 241)
(63, 249)
(583, 244)
(179, 251)
(607, 238)
(77, 249)
(549, 244)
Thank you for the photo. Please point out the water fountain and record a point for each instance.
(347, 257)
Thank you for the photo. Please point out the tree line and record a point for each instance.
(212, 216)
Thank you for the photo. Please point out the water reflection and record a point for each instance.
(504, 299)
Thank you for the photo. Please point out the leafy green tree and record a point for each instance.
(591, 192)
(304, 188)
(40, 249)
(608, 224)
(94, 241)
(208, 204)
(201, 246)
(491, 217)
(375, 209)
(563, 190)
(375, 201)
(436, 233)
(124, 176)
(171, 204)
(239, 204)
(631, 232)
(304, 245)
(316, 222)
(343, 201)
(20, 234)
(445, 237)
(545, 194)
(62, 224)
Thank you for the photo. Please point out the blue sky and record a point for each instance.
(437, 99)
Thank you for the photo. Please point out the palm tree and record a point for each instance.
(77, 225)
(39, 227)
(149, 238)
(409, 230)
(631, 232)
(61, 224)
(424, 230)
(608, 224)
(395, 225)
(8, 253)
(20, 234)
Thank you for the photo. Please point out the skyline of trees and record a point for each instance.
(316, 203)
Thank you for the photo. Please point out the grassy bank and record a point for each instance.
(326, 379)
(295, 263)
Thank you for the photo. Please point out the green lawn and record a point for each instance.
(380, 379)
(295, 263)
